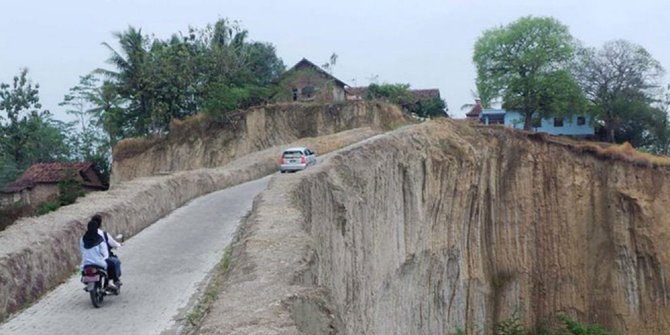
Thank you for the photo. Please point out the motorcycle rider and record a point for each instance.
(113, 261)
(93, 251)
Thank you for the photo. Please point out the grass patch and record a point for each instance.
(566, 326)
(212, 291)
(621, 152)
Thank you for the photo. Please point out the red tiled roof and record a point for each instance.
(475, 110)
(46, 173)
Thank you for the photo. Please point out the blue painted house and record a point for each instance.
(576, 125)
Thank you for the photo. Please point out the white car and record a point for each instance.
(295, 159)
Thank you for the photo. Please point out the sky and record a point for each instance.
(424, 43)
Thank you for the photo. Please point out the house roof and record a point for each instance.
(306, 63)
(494, 111)
(475, 110)
(48, 173)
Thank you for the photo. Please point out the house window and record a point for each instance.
(295, 94)
(497, 119)
(581, 120)
(308, 92)
(558, 122)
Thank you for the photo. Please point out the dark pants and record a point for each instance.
(114, 268)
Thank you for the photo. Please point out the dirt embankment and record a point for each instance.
(442, 226)
(204, 143)
(36, 254)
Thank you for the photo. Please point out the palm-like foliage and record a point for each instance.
(154, 81)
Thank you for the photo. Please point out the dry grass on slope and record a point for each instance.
(621, 152)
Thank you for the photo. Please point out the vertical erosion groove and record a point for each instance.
(439, 227)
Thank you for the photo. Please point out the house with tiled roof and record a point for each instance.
(39, 183)
(308, 82)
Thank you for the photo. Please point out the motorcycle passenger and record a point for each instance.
(93, 251)
(113, 261)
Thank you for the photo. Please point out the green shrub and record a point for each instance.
(69, 190)
(47, 207)
(511, 326)
(576, 328)
(514, 326)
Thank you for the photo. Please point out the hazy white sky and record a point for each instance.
(426, 43)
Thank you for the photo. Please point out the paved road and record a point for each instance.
(163, 267)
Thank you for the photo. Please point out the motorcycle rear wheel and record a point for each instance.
(97, 295)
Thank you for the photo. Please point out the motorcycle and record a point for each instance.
(97, 282)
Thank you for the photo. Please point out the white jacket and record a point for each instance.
(93, 256)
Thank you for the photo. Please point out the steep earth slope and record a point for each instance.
(200, 143)
(445, 226)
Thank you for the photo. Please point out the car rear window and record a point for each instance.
(292, 154)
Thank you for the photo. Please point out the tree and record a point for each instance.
(400, 94)
(618, 80)
(215, 70)
(394, 93)
(132, 80)
(525, 63)
(330, 65)
(27, 133)
(88, 140)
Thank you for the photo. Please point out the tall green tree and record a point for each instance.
(619, 79)
(525, 64)
(215, 69)
(27, 133)
(89, 140)
(132, 80)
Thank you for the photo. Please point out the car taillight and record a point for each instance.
(303, 160)
(281, 160)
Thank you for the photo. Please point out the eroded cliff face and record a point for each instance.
(211, 145)
(445, 226)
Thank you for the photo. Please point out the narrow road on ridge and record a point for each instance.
(163, 267)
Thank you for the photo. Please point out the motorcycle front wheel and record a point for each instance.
(97, 295)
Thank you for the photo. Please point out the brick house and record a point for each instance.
(306, 81)
(39, 183)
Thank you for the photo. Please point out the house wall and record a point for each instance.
(325, 89)
(515, 120)
(32, 197)
(42, 193)
(8, 199)
(339, 94)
